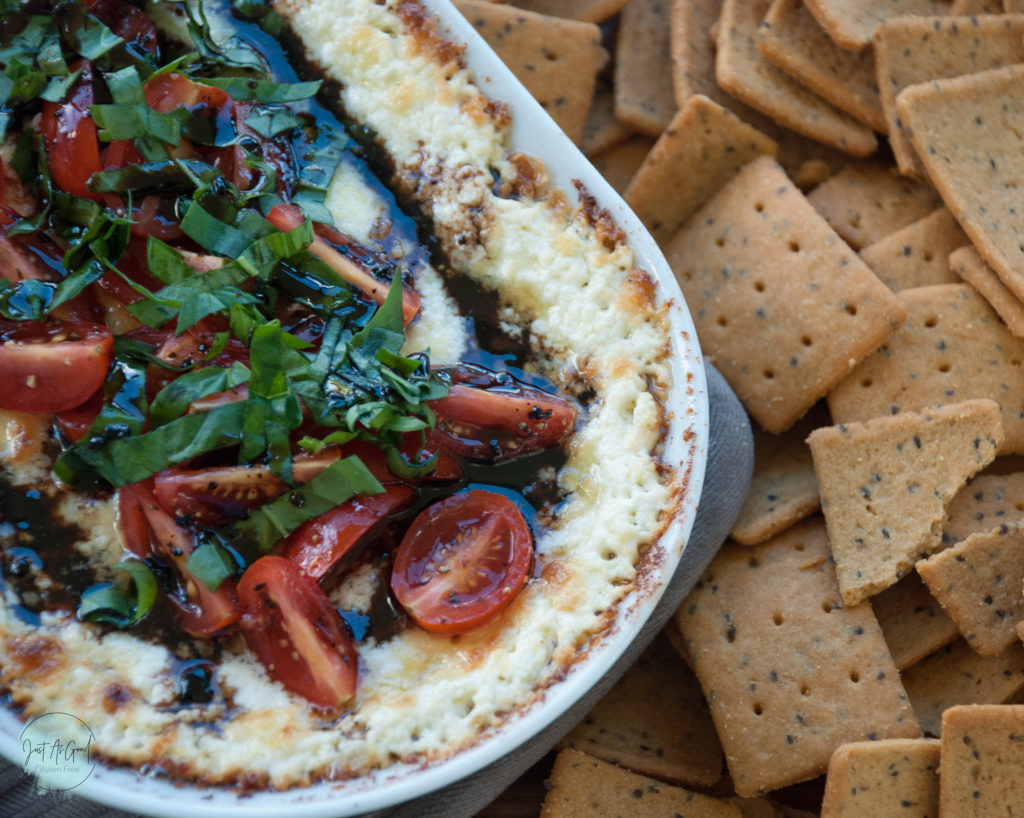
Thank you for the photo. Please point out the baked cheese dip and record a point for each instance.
(331, 435)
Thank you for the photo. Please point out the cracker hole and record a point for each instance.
(794, 247)
(759, 286)
(722, 321)
(827, 606)
(1019, 506)
(931, 321)
(758, 709)
(851, 309)
(806, 341)
(777, 618)
(928, 255)
(769, 375)
(867, 382)
(759, 207)
(730, 635)
(854, 676)
(805, 690)
(720, 241)
(944, 367)
(799, 546)
(687, 275)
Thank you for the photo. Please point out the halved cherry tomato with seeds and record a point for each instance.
(462, 561)
(317, 545)
(295, 632)
(502, 419)
(49, 368)
(216, 496)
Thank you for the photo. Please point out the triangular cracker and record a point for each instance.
(644, 97)
(969, 133)
(583, 785)
(912, 620)
(911, 50)
(885, 483)
(655, 722)
(788, 673)
(971, 267)
(703, 147)
(791, 38)
(866, 201)
(917, 255)
(953, 348)
(745, 73)
(783, 307)
(852, 22)
(978, 582)
(557, 60)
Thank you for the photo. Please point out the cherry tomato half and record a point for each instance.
(49, 368)
(502, 419)
(291, 626)
(72, 139)
(217, 495)
(462, 561)
(317, 545)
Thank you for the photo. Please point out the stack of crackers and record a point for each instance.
(838, 186)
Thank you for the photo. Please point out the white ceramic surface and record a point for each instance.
(534, 133)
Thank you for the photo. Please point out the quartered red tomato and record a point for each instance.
(462, 561)
(316, 546)
(291, 626)
(132, 519)
(201, 612)
(488, 418)
(49, 368)
(72, 141)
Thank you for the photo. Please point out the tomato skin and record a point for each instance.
(317, 545)
(132, 518)
(165, 92)
(295, 632)
(462, 561)
(127, 22)
(74, 423)
(216, 496)
(502, 419)
(48, 368)
(72, 140)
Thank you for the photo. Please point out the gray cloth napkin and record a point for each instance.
(730, 462)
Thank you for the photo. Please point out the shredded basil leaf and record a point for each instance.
(211, 564)
(246, 89)
(114, 605)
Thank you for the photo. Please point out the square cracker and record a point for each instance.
(885, 483)
(586, 11)
(987, 502)
(911, 50)
(783, 307)
(956, 675)
(912, 620)
(978, 581)
(789, 674)
(783, 489)
(967, 263)
(581, 785)
(693, 72)
(870, 779)
(852, 22)
(655, 722)
(743, 72)
(602, 130)
(917, 255)
(952, 348)
(644, 97)
(703, 147)
(865, 202)
(556, 59)
(969, 133)
(791, 38)
(982, 759)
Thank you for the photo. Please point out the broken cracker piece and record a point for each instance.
(885, 483)
(967, 263)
